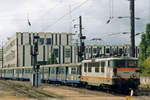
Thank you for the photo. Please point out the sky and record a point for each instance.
(62, 15)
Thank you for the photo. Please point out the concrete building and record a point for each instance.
(1, 58)
(109, 50)
(17, 51)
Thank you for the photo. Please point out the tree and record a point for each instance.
(52, 59)
(144, 56)
(142, 48)
(146, 68)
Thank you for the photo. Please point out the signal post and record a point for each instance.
(36, 79)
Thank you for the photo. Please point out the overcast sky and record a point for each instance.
(58, 15)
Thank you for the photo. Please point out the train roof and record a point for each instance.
(110, 58)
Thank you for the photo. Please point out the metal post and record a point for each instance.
(80, 35)
(80, 23)
(81, 51)
(2, 55)
(35, 76)
(132, 16)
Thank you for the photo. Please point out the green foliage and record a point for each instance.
(144, 57)
(143, 47)
(146, 67)
(52, 59)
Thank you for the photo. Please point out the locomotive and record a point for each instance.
(114, 73)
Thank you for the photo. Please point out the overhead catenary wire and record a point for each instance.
(111, 11)
(70, 21)
(112, 3)
(75, 8)
(49, 11)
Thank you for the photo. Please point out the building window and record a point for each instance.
(67, 39)
(56, 38)
(41, 41)
(21, 38)
(56, 52)
(48, 41)
(89, 50)
(86, 50)
(60, 39)
(107, 50)
(120, 51)
(94, 50)
(67, 52)
(30, 39)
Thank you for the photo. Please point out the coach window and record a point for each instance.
(102, 66)
(73, 70)
(89, 67)
(97, 67)
(111, 63)
(85, 67)
(53, 71)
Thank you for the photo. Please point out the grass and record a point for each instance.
(21, 89)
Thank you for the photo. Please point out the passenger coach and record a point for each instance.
(106, 73)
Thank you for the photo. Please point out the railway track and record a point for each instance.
(144, 92)
(91, 90)
(140, 92)
(62, 92)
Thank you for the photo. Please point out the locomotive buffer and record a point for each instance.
(36, 79)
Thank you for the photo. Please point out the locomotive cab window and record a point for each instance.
(132, 63)
(120, 63)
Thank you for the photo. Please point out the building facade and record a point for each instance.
(93, 51)
(1, 57)
(17, 51)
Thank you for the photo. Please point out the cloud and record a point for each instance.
(44, 16)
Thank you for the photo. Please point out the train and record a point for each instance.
(113, 72)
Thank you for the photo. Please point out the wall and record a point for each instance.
(145, 80)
